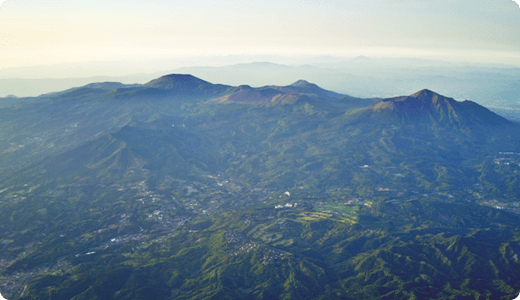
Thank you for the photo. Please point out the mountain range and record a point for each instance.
(184, 189)
(490, 85)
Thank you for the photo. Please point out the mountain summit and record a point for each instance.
(178, 82)
(185, 85)
(305, 87)
(428, 106)
(302, 82)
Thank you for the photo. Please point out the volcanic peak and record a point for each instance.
(424, 93)
(428, 106)
(301, 83)
(176, 81)
(423, 100)
(305, 87)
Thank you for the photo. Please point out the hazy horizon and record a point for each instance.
(466, 50)
(115, 38)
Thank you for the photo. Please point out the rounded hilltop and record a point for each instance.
(176, 81)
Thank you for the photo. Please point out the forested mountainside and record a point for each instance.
(184, 189)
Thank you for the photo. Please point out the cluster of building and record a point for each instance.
(272, 255)
(245, 248)
(234, 237)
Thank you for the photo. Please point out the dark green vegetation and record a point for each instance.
(181, 189)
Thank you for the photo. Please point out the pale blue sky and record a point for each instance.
(47, 32)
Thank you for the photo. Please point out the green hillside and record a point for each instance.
(421, 250)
